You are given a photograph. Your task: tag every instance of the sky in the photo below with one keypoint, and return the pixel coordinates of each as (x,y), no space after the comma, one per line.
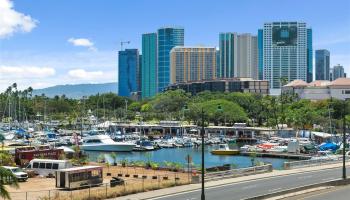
(45,43)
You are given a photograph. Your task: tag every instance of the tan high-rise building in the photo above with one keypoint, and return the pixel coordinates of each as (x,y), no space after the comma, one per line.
(192,64)
(247,56)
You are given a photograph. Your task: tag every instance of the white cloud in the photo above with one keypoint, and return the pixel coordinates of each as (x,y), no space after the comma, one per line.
(12,21)
(82,42)
(85,75)
(25,72)
(25,76)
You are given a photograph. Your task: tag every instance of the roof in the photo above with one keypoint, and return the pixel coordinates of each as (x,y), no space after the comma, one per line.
(48,160)
(341,82)
(79,168)
(296,83)
(9,167)
(319,83)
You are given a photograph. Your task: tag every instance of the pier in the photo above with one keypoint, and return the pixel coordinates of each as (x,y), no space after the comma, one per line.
(277,155)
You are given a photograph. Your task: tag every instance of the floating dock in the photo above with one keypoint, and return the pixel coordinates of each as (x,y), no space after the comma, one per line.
(278,155)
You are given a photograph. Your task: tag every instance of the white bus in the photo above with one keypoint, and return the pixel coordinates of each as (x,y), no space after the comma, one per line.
(77,177)
(44,167)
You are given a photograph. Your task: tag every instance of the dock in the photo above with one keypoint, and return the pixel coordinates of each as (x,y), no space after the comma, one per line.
(278,155)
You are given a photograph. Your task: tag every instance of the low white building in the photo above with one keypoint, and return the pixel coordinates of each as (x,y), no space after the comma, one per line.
(320,89)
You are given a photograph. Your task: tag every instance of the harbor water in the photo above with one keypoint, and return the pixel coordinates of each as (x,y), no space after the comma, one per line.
(178,155)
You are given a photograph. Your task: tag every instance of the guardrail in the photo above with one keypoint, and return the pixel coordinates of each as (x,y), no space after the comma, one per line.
(311,163)
(238,172)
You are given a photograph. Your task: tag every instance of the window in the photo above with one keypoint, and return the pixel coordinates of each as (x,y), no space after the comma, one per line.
(35,165)
(55,166)
(42,165)
(48,165)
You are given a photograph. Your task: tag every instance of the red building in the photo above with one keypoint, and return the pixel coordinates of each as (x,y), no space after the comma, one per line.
(25,154)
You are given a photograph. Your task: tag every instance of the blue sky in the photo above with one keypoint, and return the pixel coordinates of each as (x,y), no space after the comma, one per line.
(76,41)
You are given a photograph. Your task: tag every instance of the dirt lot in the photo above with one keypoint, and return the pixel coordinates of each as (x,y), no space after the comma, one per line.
(39,185)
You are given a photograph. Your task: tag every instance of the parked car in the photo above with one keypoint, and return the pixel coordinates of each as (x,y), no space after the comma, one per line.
(18,172)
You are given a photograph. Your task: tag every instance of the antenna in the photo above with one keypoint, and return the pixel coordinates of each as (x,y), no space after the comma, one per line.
(122,43)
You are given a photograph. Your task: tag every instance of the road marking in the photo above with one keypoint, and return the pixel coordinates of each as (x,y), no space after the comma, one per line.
(305,177)
(272,190)
(249,187)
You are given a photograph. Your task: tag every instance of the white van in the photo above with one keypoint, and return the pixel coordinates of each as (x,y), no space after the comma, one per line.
(44,167)
(18,172)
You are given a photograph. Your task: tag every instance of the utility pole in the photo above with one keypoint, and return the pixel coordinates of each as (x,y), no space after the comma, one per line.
(344,140)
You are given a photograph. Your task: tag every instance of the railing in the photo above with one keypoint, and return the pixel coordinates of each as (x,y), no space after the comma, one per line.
(238,172)
(311,163)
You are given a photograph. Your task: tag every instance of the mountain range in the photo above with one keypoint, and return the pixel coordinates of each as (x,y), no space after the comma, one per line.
(78,91)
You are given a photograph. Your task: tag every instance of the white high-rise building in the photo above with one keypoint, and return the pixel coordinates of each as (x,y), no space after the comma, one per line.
(286,52)
(238,55)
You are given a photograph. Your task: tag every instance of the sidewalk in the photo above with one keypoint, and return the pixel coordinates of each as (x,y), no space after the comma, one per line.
(191,187)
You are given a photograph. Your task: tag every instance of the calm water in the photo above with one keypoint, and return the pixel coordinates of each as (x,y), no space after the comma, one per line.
(179,155)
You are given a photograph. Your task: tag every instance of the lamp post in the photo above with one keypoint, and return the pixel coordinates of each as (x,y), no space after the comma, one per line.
(344,139)
(202,137)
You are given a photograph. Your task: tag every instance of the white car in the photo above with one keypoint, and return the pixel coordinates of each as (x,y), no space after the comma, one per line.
(18,172)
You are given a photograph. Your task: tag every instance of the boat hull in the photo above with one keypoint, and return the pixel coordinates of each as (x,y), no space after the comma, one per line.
(225,152)
(109,147)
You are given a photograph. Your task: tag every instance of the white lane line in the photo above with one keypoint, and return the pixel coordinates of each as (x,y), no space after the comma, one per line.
(305,177)
(249,187)
(272,190)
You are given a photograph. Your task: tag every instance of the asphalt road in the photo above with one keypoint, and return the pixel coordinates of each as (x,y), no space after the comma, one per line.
(339,193)
(253,188)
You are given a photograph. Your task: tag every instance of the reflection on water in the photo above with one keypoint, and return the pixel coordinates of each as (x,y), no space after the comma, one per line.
(179,155)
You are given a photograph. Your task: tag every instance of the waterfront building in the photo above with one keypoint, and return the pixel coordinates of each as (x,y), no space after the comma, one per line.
(246,85)
(286,52)
(167,38)
(192,64)
(128,68)
(319,89)
(338,72)
(149,65)
(238,55)
(322,59)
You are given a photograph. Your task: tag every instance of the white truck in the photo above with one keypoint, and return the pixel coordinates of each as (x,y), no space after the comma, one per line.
(18,172)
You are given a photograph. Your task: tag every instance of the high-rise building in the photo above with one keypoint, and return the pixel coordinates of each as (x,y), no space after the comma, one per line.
(128,68)
(149,65)
(338,72)
(309,56)
(322,59)
(260,53)
(192,64)
(238,55)
(247,56)
(168,37)
(286,47)
(228,54)
(217,63)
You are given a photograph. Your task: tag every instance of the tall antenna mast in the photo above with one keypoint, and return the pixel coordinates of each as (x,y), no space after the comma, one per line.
(122,43)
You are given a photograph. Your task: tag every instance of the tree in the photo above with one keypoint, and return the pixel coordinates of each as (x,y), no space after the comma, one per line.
(6,178)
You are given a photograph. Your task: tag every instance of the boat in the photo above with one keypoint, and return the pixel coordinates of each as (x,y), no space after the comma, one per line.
(105,143)
(224,150)
(144,145)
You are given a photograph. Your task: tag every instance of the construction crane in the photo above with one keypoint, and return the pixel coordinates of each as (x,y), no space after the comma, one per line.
(122,43)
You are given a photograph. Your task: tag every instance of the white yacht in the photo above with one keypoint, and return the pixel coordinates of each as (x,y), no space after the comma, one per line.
(105,143)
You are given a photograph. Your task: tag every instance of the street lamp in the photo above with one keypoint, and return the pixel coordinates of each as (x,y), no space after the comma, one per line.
(219,108)
(344,140)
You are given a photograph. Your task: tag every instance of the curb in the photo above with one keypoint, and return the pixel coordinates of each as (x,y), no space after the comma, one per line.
(336,182)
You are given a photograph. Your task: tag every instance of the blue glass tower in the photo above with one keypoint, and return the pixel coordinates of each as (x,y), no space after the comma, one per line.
(128,69)
(322,65)
(168,38)
(260,53)
(149,65)
(309,55)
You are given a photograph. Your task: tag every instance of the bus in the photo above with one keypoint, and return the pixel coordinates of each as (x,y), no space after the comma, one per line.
(45,167)
(76,177)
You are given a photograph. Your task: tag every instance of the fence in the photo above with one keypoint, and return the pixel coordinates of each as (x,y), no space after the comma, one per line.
(311,163)
(103,191)
(238,172)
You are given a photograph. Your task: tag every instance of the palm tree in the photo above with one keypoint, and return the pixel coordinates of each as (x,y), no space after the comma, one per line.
(6,178)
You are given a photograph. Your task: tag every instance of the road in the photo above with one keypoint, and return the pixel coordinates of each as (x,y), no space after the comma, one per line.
(253,188)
